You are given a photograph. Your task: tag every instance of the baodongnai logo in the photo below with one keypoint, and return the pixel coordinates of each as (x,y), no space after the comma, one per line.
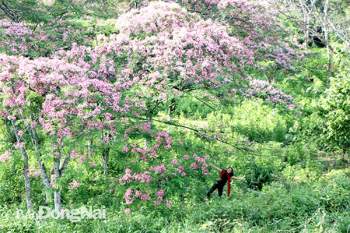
(73,215)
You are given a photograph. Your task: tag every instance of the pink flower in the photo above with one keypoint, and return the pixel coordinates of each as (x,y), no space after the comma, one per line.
(146,127)
(145,197)
(127,177)
(160,169)
(74,154)
(138,193)
(160,194)
(194,166)
(186,157)
(162,135)
(200,159)
(174,162)
(82,159)
(106,139)
(142,177)
(181,171)
(128,196)
(65,132)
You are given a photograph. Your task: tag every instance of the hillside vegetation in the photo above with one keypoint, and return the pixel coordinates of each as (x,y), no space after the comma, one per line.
(128,107)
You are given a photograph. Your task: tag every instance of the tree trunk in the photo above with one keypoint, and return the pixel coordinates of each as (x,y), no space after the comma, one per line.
(57,175)
(105,157)
(43,172)
(46,182)
(326,38)
(57,200)
(25,168)
(27,179)
(9,12)
(306,26)
(89,147)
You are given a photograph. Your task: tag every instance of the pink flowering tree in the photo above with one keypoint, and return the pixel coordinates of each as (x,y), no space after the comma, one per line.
(13,97)
(151,173)
(257,23)
(59,99)
(161,52)
(105,92)
(191,52)
(33,40)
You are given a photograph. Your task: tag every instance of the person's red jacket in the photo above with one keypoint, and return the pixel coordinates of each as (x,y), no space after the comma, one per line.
(226,177)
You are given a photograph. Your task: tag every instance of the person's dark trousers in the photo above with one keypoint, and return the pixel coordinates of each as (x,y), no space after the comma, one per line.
(219,186)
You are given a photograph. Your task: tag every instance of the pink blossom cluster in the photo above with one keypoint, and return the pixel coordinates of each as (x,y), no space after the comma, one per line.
(160,169)
(197,163)
(174,162)
(18,38)
(130,195)
(129,176)
(143,177)
(263,89)
(161,138)
(67,91)
(14,29)
(84,90)
(146,127)
(160,194)
(193,50)
(163,135)
(13,89)
(181,170)
(255,22)
(79,157)
(200,163)
(142,196)
(154,18)
(143,127)
(159,197)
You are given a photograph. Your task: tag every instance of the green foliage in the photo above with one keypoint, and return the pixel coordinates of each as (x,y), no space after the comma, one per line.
(320,205)
(196,107)
(36,12)
(335,111)
(11,183)
(256,121)
(284,187)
